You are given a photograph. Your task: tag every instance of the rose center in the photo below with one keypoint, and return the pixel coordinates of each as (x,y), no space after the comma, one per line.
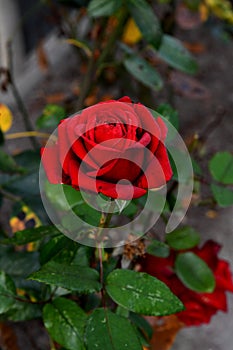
(109,131)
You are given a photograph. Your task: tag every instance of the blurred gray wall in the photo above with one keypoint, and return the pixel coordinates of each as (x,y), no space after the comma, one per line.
(24,23)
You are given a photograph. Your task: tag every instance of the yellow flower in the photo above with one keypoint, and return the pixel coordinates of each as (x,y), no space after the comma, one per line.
(5,118)
(131,34)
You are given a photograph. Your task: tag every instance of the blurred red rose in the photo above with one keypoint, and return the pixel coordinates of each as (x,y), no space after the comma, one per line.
(199,307)
(114,147)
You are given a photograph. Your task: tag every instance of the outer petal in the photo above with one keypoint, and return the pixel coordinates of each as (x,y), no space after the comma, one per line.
(223,276)
(209,253)
(163,128)
(216,300)
(162,156)
(50,161)
(157,172)
(195,314)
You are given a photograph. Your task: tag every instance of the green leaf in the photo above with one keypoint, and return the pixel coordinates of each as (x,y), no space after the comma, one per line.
(143,71)
(98,8)
(53,248)
(183,238)
(142,293)
(196,167)
(53,193)
(88,214)
(76,278)
(18,264)
(65,321)
(8,164)
(83,255)
(108,266)
(29,160)
(24,186)
(130,210)
(108,331)
(146,20)
(142,324)
(121,311)
(193,4)
(176,55)
(222,195)
(67,254)
(22,311)
(169,113)
(31,235)
(221,167)
(7,292)
(27,186)
(194,273)
(51,116)
(158,248)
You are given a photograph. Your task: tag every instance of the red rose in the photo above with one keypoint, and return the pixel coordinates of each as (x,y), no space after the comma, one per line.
(115,147)
(199,307)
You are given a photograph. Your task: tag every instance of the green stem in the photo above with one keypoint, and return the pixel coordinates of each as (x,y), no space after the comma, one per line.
(101,268)
(100,254)
(104,223)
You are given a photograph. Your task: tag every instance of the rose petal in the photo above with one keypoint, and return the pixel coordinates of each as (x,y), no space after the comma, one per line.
(50,161)
(208,253)
(120,191)
(195,314)
(149,124)
(119,111)
(223,276)
(163,128)
(126,99)
(153,177)
(216,300)
(162,156)
(74,139)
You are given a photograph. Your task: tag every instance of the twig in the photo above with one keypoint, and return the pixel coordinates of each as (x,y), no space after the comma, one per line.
(26,119)
(113,37)
(9,195)
(18,135)
(94,64)
(86,84)
(212,125)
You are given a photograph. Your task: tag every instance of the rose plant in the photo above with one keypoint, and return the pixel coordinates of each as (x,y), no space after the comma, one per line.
(115,153)
(107,289)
